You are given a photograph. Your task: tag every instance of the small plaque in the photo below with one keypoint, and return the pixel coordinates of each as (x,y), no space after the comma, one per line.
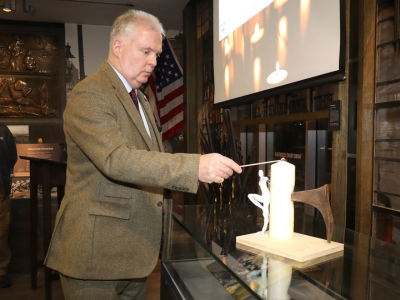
(335,111)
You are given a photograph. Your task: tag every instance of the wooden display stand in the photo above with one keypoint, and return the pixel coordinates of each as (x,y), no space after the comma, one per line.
(300,248)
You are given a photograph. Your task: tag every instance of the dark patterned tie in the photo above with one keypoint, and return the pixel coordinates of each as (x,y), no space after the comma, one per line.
(135,101)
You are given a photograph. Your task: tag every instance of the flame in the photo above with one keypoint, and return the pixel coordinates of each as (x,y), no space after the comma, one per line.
(227,82)
(228,44)
(282,38)
(283,28)
(304,12)
(257,74)
(252,285)
(224,259)
(257,35)
(279,3)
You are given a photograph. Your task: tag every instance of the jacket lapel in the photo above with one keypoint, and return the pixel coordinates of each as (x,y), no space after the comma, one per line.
(151,121)
(126,101)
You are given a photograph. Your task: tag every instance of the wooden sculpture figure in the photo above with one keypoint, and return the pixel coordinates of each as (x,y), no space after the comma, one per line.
(263,198)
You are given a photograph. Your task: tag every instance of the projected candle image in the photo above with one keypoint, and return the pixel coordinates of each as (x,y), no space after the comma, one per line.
(257,74)
(227,82)
(272,43)
(304,12)
(282,38)
(279,3)
(278,76)
(227,47)
(257,35)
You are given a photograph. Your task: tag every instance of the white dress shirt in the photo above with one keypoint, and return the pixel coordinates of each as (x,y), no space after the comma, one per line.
(129,89)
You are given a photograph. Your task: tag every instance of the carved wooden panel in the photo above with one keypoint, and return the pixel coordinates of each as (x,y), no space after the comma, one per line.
(29,97)
(29,54)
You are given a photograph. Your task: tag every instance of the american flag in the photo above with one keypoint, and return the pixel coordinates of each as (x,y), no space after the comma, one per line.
(165,92)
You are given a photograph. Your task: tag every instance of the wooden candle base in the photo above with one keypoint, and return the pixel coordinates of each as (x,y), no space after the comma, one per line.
(301,247)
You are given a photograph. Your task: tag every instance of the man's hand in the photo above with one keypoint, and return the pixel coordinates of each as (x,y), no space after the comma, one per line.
(215,168)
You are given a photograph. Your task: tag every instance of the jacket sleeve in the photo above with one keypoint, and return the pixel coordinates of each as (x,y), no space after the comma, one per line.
(91,122)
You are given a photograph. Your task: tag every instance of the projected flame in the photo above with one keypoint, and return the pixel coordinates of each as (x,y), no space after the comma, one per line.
(279,3)
(257,35)
(257,74)
(227,82)
(304,12)
(228,44)
(278,76)
(282,38)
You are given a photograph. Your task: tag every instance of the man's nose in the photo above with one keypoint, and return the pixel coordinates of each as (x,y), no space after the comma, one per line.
(153,60)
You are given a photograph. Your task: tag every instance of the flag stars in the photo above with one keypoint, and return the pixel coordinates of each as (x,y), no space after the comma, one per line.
(176,74)
(167,56)
(169,72)
(165,63)
(167,79)
(172,65)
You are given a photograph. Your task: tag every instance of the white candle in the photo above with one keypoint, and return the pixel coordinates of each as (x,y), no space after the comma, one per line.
(279,278)
(281,206)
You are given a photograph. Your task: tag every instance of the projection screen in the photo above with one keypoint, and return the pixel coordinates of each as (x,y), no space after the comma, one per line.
(264,48)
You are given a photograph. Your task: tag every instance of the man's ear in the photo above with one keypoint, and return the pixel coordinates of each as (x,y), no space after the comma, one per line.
(117,47)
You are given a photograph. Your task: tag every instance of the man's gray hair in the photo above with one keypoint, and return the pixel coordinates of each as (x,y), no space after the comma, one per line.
(125,25)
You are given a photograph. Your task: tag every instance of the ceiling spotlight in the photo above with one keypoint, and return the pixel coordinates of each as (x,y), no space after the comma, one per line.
(29,8)
(9,6)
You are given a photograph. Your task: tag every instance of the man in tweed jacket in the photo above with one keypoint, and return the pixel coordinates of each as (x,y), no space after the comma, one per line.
(107,233)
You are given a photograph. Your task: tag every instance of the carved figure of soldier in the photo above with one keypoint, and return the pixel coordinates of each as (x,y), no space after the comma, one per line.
(14,47)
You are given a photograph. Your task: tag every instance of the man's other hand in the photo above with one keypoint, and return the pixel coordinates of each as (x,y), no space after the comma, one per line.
(215,168)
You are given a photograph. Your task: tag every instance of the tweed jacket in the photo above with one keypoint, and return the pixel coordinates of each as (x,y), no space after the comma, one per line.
(108,226)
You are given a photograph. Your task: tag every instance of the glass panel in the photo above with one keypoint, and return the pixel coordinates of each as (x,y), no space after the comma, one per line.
(290,142)
(387,174)
(388,63)
(192,269)
(387,123)
(386,227)
(387,200)
(387,149)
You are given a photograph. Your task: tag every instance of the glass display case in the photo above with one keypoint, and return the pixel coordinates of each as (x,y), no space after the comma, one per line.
(201,260)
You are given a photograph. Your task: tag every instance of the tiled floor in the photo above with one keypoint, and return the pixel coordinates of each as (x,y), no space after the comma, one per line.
(21,289)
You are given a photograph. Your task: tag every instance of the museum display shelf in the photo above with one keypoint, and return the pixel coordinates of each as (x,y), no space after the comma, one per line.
(202,260)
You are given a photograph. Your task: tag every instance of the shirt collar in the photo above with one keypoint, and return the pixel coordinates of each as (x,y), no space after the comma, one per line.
(126,84)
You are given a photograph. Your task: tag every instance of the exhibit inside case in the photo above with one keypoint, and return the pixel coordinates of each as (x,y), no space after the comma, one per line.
(202,260)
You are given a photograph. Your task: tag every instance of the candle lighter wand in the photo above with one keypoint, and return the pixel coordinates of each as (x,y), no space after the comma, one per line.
(261,163)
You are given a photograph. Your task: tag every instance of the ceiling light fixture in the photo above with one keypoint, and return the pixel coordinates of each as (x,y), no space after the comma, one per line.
(9,6)
(29,8)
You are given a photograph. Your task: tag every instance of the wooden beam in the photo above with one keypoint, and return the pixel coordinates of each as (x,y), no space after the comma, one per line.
(365,116)
(340,142)
(191,86)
